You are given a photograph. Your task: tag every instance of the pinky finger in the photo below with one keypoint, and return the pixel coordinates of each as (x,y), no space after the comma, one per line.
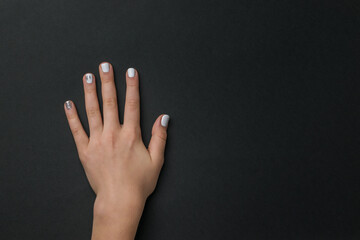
(77,130)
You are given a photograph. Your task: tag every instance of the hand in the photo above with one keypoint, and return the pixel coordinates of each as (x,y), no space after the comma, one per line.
(120,170)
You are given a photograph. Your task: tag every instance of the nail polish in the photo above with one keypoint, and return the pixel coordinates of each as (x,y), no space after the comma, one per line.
(68,105)
(131,72)
(105,67)
(165,120)
(89,78)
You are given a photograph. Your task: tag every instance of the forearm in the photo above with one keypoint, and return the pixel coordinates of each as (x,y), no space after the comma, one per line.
(116,218)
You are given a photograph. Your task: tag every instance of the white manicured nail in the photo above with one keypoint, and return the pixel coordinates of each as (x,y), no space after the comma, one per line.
(131,72)
(105,67)
(165,120)
(68,105)
(89,78)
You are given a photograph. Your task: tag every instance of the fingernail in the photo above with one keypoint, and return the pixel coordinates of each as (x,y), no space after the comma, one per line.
(89,78)
(165,120)
(68,105)
(105,67)
(131,72)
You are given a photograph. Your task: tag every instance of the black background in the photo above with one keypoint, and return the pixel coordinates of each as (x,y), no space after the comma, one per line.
(264,102)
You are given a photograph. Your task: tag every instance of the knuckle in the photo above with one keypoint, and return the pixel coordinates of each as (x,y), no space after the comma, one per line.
(110,139)
(86,155)
(72,117)
(76,131)
(83,155)
(132,83)
(92,111)
(132,135)
(161,135)
(95,141)
(132,103)
(107,80)
(90,89)
(110,102)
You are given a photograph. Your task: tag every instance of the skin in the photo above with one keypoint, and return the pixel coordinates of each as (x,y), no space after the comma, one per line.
(120,169)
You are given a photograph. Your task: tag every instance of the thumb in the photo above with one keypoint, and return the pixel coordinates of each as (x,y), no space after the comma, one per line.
(158,139)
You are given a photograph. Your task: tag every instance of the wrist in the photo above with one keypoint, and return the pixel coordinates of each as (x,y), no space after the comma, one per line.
(110,204)
(118,214)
